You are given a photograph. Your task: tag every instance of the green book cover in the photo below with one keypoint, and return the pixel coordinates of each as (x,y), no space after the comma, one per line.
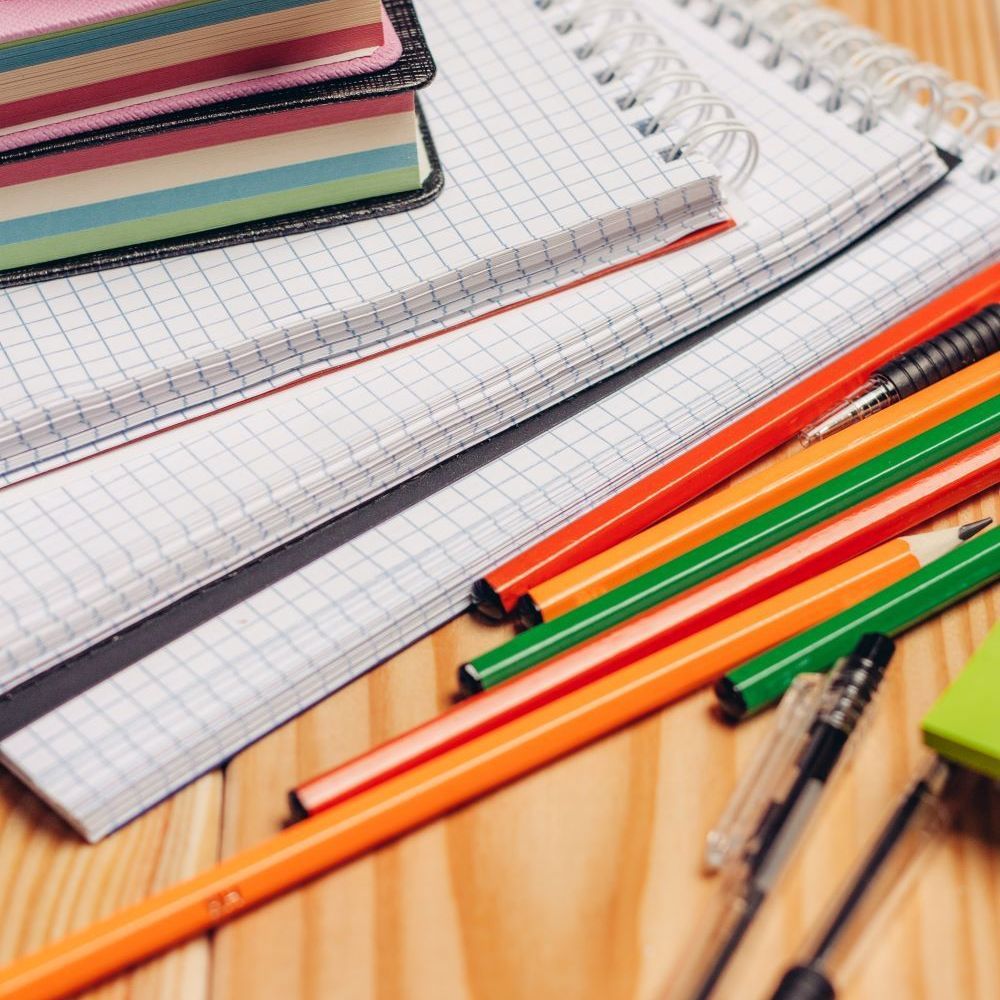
(964,724)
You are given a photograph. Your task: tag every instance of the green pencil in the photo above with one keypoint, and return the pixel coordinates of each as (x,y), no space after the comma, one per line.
(937,586)
(734,547)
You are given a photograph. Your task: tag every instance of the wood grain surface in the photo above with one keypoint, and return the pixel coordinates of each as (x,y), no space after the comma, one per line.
(581,881)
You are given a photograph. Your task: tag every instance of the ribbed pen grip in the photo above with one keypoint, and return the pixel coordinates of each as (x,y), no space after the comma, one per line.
(857,679)
(945,354)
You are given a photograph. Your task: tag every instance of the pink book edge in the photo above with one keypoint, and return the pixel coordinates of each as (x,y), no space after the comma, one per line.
(383,57)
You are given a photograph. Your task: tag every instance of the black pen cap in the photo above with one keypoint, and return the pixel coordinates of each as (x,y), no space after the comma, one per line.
(804,983)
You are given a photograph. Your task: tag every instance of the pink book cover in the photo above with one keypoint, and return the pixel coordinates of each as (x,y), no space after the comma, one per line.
(31,17)
(27,18)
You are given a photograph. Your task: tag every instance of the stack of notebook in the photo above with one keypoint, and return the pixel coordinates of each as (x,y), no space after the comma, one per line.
(597,193)
(251,119)
(194,504)
(547,183)
(531,278)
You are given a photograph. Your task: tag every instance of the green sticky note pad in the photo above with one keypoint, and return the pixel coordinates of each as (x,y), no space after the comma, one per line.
(964,724)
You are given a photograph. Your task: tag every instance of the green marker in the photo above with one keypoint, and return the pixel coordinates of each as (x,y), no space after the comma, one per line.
(964,724)
(764,679)
(734,547)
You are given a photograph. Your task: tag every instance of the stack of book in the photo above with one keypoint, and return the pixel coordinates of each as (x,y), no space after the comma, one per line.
(144,128)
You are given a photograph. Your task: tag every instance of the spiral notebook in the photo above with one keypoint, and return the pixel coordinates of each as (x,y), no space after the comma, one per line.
(546,181)
(202,500)
(402,577)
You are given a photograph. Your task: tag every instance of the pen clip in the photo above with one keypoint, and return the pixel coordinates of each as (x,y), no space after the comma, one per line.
(757,787)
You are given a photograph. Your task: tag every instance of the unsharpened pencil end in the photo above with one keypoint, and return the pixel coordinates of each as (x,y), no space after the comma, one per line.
(487,601)
(469,680)
(296,810)
(968,531)
(731,701)
(527,612)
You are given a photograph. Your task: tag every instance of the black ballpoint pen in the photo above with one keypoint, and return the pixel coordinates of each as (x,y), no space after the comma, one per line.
(919,813)
(772,805)
(947,353)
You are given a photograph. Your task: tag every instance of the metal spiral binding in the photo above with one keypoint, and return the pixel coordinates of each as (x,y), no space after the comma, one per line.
(858,69)
(854,69)
(680,104)
(988,124)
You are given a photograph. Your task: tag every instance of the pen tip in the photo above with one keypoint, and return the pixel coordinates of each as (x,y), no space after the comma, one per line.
(968,531)
(803,982)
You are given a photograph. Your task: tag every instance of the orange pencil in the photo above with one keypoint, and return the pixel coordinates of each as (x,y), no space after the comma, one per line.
(760,492)
(409,800)
(831,543)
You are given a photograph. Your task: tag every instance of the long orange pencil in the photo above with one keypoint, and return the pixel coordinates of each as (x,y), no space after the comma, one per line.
(407,801)
(760,492)
(726,452)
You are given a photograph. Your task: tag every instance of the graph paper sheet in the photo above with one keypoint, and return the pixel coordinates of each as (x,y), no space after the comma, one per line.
(93,551)
(543,175)
(107,755)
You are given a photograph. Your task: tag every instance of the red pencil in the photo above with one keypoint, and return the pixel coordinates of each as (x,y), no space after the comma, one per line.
(725,453)
(828,545)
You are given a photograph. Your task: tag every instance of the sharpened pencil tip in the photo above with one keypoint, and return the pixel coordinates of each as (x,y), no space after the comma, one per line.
(968,531)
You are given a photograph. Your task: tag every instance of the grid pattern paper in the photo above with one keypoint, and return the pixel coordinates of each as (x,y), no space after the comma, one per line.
(798,179)
(541,175)
(312,347)
(107,755)
(95,551)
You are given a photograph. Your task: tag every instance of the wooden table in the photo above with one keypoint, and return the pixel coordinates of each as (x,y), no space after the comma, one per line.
(581,881)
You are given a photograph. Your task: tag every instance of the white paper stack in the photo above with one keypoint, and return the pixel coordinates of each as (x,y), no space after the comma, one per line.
(105,756)
(549,179)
